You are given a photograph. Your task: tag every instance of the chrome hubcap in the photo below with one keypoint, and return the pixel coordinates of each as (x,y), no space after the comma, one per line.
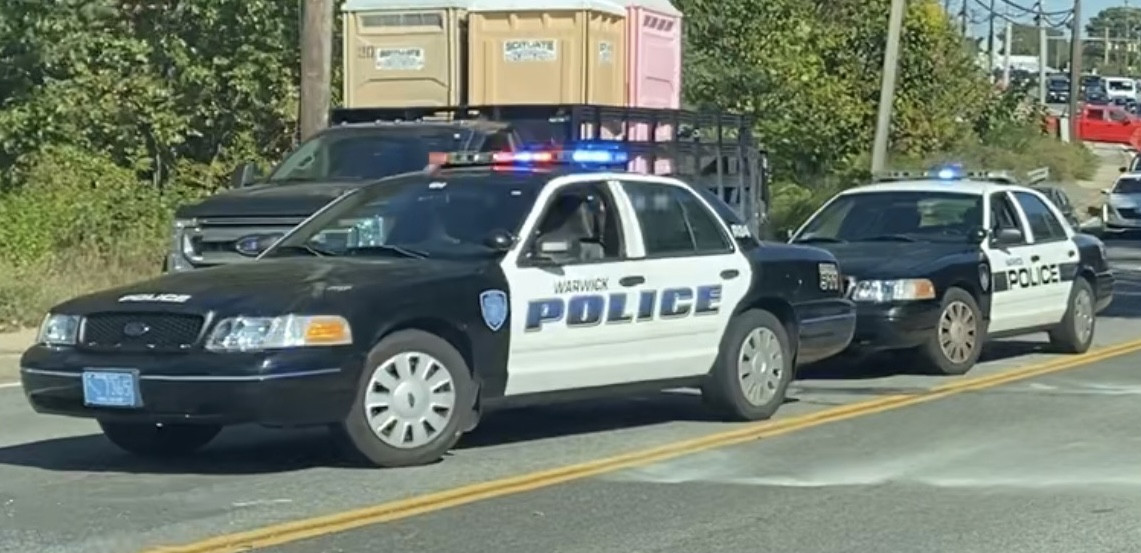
(958,332)
(760,366)
(410,400)
(1083,316)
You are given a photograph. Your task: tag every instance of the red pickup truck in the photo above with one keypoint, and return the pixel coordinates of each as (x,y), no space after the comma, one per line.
(1109,123)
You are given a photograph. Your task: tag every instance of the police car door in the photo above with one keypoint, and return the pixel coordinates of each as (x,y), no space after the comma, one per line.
(574,322)
(691,265)
(1053,259)
(1011,303)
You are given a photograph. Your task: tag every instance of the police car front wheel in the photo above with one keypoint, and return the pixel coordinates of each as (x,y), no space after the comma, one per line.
(957,340)
(753,367)
(413,400)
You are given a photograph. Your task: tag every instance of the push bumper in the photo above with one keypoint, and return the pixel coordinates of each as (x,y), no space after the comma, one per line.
(898,326)
(285,388)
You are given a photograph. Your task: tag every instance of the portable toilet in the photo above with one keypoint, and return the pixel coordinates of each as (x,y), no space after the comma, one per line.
(400,53)
(653,68)
(547,52)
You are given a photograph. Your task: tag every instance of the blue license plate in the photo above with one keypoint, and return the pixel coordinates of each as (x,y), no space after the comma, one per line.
(111,388)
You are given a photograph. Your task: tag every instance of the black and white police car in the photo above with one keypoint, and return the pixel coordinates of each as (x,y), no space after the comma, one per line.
(938,262)
(401,311)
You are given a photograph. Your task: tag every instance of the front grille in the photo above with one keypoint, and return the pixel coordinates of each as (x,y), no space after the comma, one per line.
(1128,213)
(141,331)
(215,241)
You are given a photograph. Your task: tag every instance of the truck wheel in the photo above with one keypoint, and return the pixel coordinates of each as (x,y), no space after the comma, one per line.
(1075,333)
(153,440)
(753,368)
(954,346)
(412,403)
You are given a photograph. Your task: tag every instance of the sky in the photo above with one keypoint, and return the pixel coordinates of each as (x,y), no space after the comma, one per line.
(1089,9)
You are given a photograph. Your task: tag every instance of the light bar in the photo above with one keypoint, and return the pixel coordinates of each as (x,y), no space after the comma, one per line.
(582,156)
(954,173)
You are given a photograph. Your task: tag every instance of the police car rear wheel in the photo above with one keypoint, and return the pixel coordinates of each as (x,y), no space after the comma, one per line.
(753,368)
(155,440)
(413,400)
(957,340)
(1075,333)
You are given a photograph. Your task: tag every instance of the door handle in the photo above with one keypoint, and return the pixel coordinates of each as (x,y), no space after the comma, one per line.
(632,280)
(730,273)
(1034,258)
(1070,253)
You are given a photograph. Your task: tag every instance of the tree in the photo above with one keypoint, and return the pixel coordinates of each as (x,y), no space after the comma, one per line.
(1123,27)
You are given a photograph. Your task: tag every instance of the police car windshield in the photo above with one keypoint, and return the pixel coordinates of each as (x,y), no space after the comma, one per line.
(367,153)
(902,216)
(1127,186)
(418,216)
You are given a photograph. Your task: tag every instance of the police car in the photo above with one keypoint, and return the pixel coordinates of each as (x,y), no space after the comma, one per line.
(405,309)
(940,262)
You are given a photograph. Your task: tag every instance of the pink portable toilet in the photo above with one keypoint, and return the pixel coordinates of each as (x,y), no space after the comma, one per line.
(653,67)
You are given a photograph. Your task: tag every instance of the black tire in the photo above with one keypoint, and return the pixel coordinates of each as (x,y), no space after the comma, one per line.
(159,441)
(1067,337)
(931,355)
(355,433)
(725,390)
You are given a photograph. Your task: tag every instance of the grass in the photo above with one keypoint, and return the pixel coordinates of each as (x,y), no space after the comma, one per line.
(27,292)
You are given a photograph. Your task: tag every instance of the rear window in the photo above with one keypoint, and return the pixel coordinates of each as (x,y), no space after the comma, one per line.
(368,154)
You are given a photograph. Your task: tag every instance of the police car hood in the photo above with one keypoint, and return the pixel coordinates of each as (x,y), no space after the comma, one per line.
(870,260)
(266,288)
(297,199)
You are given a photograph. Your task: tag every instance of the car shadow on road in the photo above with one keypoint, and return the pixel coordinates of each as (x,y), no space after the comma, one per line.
(889,364)
(255,450)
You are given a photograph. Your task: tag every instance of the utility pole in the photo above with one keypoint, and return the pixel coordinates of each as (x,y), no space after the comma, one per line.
(1007,40)
(1105,55)
(316,65)
(1075,70)
(1043,51)
(963,19)
(887,86)
(990,43)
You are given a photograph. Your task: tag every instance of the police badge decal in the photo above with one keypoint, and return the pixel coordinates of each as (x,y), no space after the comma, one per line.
(493,307)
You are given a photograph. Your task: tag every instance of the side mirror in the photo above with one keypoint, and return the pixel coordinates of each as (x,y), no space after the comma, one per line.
(1105,192)
(548,248)
(244,175)
(500,240)
(1121,169)
(1008,236)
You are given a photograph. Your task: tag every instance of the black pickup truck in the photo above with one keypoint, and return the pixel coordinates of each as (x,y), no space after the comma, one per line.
(712,149)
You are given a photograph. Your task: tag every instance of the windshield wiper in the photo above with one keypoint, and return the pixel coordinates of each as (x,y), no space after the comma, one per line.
(310,249)
(889,238)
(827,239)
(389,248)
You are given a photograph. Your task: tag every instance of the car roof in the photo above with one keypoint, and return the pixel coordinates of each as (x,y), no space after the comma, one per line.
(965,186)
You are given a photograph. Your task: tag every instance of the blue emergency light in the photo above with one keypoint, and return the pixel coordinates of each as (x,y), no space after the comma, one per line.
(578,156)
(949,172)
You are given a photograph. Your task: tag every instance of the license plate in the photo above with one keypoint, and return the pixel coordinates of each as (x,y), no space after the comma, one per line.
(111,388)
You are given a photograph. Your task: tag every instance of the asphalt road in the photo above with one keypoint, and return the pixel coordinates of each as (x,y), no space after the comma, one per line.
(63,488)
(1045,466)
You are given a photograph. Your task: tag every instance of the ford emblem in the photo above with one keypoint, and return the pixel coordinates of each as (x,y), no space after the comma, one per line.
(250,245)
(136,329)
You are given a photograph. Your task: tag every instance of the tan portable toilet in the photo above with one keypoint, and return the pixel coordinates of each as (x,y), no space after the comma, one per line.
(547,52)
(400,53)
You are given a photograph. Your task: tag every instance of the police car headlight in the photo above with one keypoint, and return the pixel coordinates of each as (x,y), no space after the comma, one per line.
(289,331)
(59,330)
(893,290)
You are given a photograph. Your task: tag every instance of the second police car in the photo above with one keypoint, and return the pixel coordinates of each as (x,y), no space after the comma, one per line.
(401,311)
(940,262)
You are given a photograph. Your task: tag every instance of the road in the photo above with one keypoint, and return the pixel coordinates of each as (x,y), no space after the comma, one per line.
(1000,467)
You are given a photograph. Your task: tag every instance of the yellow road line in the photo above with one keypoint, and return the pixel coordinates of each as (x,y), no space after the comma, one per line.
(278,534)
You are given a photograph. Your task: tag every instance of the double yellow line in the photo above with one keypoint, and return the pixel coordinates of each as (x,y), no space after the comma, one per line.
(395,510)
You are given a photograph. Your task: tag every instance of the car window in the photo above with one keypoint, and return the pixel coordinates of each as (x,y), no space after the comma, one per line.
(674,221)
(582,214)
(1043,223)
(367,154)
(1118,115)
(1003,216)
(428,216)
(1127,185)
(1120,85)
(896,215)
